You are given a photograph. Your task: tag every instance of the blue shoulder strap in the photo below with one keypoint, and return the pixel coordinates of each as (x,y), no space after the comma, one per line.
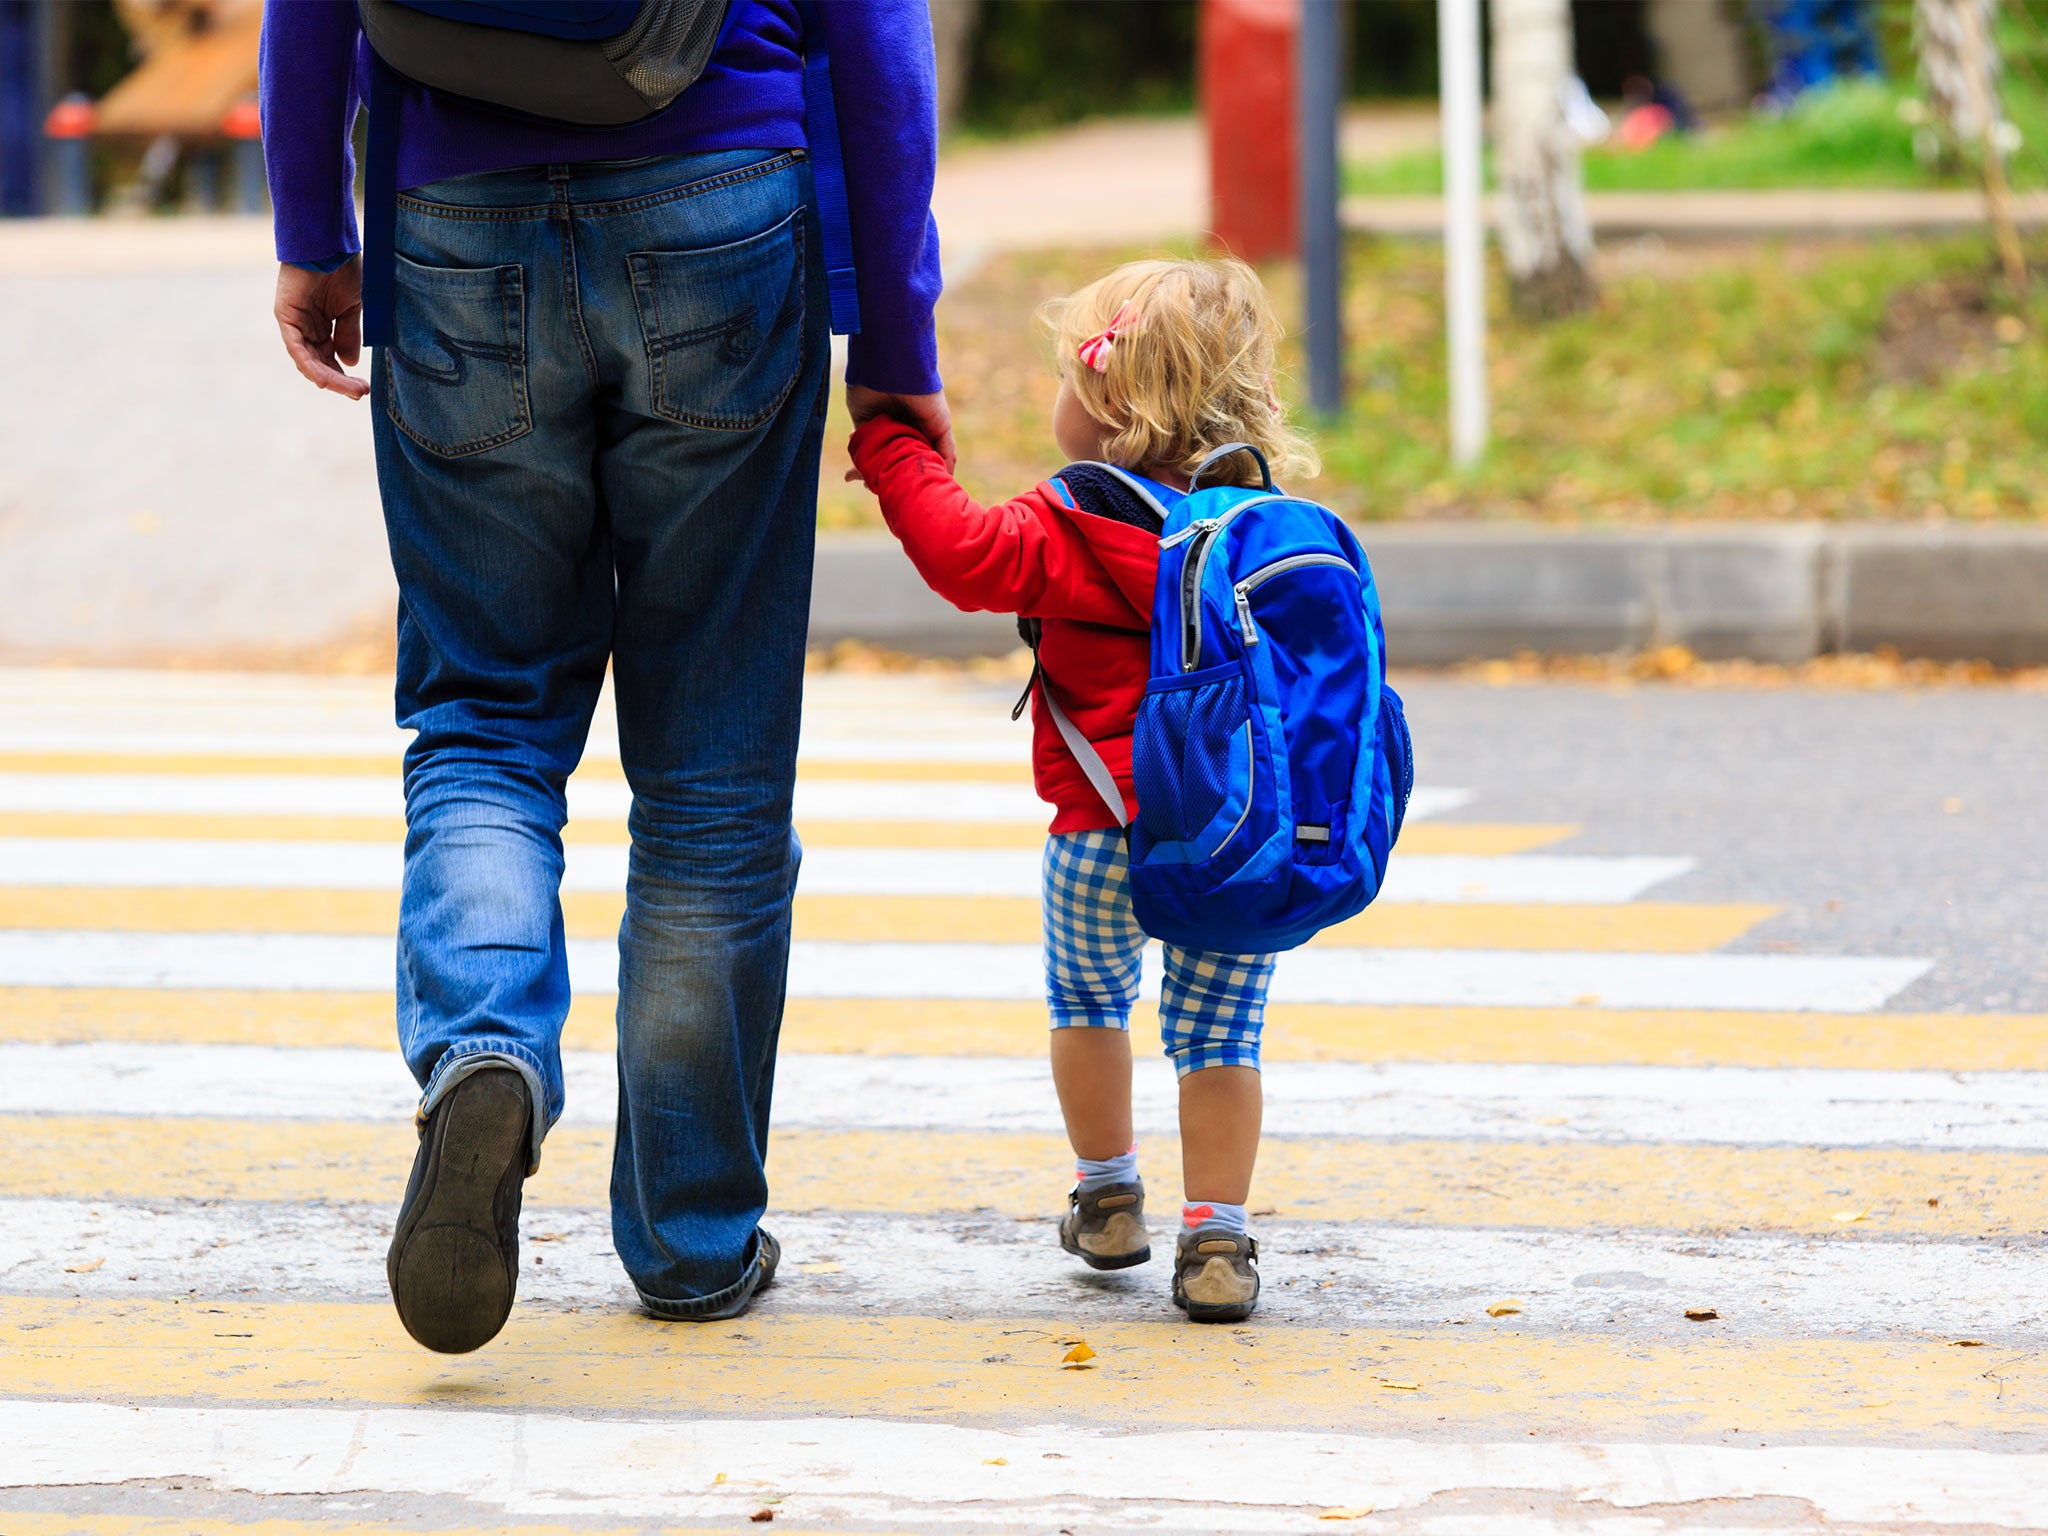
(380,207)
(828,172)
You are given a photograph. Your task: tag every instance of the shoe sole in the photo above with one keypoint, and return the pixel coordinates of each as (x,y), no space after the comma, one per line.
(1126,1260)
(1108,1260)
(449,1278)
(1212,1311)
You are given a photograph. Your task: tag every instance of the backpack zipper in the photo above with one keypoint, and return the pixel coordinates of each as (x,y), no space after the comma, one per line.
(1266,573)
(1205,532)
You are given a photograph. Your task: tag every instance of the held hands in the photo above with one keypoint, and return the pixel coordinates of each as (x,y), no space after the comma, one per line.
(320,316)
(927,414)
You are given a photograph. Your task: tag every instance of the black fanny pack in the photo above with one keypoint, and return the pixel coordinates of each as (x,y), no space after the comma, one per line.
(590,63)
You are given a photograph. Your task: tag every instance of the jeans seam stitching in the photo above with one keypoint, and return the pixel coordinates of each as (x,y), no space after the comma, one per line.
(607,209)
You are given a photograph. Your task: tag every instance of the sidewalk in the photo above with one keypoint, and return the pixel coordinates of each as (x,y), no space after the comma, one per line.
(170,491)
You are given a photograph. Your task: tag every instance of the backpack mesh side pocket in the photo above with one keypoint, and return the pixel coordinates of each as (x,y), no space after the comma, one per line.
(1181,754)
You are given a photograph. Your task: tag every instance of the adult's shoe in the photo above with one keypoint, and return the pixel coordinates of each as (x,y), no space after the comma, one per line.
(454,1260)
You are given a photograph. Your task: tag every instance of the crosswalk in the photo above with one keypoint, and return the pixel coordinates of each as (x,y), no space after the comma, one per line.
(1574,1218)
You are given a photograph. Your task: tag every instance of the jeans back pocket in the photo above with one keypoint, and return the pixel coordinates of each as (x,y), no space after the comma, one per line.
(723,327)
(458,358)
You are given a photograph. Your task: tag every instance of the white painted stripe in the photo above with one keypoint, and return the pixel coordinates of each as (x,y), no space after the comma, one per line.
(1731,1105)
(589,798)
(244,863)
(840,1470)
(1315,1273)
(1490,978)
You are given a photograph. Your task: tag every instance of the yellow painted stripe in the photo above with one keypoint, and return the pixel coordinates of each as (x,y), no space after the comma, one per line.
(366,764)
(1943,1042)
(372,766)
(1471,839)
(1425,1183)
(1635,927)
(984,1368)
(240,829)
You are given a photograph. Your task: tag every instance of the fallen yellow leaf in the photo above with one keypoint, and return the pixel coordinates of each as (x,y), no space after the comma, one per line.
(1503,1308)
(85,1268)
(1346,1512)
(995,1461)
(1398,1386)
(1079,1355)
(1852,1215)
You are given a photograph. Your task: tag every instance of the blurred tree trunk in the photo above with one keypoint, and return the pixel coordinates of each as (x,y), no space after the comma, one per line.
(1959,66)
(1545,239)
(953,41)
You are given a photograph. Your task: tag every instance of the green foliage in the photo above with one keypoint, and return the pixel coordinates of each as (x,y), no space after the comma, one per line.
(1857,134)
(1887,380)
(1038,63)
(1867,381)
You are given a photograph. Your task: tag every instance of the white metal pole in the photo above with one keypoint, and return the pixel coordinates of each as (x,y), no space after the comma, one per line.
(1464,227)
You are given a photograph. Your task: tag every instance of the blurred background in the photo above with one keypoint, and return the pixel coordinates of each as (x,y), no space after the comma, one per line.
(1760,265)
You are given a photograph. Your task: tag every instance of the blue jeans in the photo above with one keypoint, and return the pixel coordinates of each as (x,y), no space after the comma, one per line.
(597,441)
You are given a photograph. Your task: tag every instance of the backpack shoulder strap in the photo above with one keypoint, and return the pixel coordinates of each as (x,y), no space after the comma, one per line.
(1099,776)
(828,173)
(1107,490)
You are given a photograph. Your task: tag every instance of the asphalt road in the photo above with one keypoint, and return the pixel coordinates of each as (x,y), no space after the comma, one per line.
(1894,822)
(1613,1184)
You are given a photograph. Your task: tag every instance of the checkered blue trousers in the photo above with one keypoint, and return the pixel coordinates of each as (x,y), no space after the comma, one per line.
(1211,1007)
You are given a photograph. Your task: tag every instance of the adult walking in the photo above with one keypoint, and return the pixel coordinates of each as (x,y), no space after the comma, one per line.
(597,427)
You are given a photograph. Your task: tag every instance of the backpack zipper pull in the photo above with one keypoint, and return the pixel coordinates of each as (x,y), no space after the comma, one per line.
(1199,526)
(1244,615)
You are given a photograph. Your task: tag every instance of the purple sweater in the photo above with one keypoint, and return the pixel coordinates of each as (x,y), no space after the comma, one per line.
(749,97)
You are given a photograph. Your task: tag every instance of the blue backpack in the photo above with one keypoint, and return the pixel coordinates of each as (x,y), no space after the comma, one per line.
(1271,761)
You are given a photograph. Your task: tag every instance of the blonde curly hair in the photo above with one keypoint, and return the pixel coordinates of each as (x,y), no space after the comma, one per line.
(1191,367)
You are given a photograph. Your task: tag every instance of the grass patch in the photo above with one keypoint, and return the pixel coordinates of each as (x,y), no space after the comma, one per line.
(1851,135)
(1853,381)
(1887,380)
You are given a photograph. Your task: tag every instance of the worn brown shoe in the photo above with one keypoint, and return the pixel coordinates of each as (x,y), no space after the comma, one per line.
(1105,1229)
(454,1260)
(1215,1274)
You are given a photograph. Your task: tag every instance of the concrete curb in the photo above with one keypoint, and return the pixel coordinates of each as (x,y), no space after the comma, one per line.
(1453,594)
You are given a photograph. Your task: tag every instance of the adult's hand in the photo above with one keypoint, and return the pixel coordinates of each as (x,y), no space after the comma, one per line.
(320,316)
(929,414)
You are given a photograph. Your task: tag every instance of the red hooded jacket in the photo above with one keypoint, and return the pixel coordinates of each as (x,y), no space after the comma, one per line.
(1089,579)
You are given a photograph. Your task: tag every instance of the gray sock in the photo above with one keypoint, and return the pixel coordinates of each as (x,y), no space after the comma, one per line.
(1213,1213)
(1094,1172)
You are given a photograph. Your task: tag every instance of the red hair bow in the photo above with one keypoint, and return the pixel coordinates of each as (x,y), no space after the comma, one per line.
(1094,352)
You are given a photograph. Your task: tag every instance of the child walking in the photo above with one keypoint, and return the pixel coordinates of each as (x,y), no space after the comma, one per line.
(1159,363)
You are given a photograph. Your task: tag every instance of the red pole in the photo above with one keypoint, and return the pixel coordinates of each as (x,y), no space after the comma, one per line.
(1247,87)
